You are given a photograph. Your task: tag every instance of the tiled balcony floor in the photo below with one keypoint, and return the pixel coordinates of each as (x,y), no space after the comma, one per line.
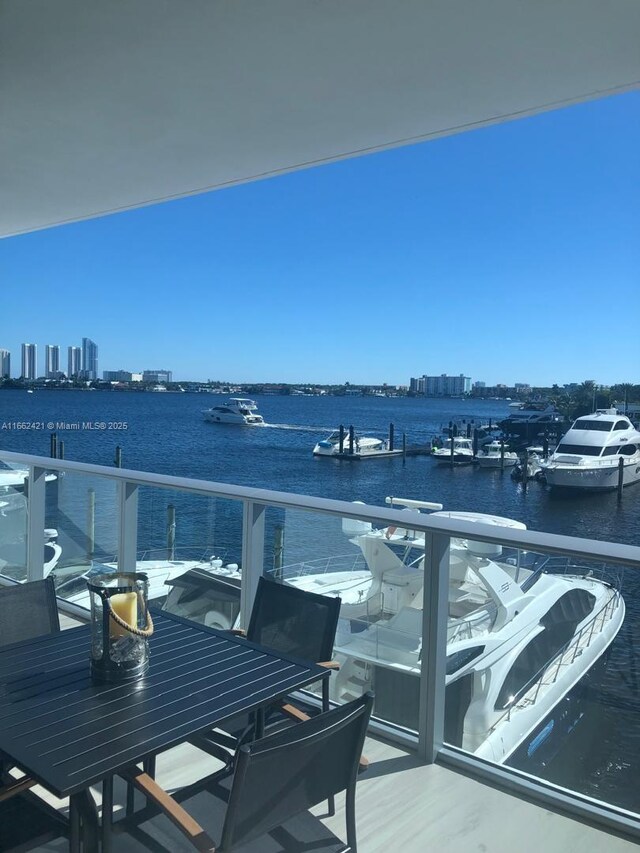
(408,807)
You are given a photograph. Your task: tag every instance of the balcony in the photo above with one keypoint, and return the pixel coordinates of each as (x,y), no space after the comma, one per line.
(462,758)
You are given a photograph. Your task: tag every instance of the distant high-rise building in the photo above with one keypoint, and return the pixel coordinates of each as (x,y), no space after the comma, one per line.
(51,361)
(5,364)
(74,361)
(441,386)
(29,361)
(89,359)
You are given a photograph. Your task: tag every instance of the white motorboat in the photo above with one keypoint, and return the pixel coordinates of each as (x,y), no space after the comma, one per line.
(590,454)
(492,455)
(330,446)
(530,466)
(462,453)
(519,638)
(71,581)
(236,410)
(14,479)
(531,419)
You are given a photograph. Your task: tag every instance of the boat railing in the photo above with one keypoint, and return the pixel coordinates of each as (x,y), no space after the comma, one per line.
(548,674)
(324,565)
(467,627)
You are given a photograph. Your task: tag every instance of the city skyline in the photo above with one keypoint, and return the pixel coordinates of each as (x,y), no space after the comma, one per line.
(497,250)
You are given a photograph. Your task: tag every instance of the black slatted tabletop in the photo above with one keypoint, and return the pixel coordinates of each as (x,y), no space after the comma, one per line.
(70,732)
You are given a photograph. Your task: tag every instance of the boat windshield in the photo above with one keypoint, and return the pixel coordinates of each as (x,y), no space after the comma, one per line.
(579,449)
(602,426)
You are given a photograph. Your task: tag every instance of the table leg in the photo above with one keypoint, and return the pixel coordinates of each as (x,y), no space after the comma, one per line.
(74,824)
(107,813)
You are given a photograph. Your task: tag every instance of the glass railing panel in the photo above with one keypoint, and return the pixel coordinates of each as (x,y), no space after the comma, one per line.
(190,547)
(541,675)
(81,522)
(13,521)
(378,574)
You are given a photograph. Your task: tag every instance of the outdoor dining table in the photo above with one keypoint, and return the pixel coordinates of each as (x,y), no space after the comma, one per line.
(70,732)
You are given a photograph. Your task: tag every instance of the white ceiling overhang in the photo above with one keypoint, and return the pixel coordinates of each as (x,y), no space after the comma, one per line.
(111,104)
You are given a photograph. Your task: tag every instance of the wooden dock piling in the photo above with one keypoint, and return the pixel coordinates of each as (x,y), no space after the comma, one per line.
(620,477)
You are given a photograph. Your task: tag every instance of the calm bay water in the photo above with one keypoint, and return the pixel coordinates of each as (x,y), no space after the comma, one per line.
(166,434)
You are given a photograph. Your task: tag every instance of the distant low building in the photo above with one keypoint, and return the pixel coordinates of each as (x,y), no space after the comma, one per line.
(116,376)
(157,376)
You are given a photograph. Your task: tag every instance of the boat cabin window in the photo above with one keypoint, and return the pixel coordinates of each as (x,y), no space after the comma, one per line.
(559,624)
(579,449)
(459,659)
(628,449)
(602,426)
(611,451)
(621,425)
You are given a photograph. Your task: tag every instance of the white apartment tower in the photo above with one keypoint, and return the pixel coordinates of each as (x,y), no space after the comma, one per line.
(51,361)
(5,364)
(74,361)
(29,361)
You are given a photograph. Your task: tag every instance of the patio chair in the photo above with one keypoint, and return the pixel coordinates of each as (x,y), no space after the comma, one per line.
(276,780)
(26,611)
(293,622)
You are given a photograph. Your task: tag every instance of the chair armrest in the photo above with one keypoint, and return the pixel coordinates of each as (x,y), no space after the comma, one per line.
(329,664)
(238,632)
(173,810)
(16,787)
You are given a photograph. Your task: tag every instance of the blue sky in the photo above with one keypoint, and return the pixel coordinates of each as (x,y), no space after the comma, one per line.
(509,254)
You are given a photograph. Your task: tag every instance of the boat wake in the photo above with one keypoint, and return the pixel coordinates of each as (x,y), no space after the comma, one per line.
(299,428)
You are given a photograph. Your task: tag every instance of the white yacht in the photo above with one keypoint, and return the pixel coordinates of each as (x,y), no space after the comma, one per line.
(519,638)
(491,456)
(588,455)
(531,419)
(462,451)
(236,410)
(14,479)
(330,446)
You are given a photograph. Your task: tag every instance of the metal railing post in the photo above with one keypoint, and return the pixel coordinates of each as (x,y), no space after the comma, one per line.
(127,526)
(35,522)
(434,646)
(253,518)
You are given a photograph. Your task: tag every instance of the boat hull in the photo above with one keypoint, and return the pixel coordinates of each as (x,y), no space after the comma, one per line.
(563,476)
(496,461)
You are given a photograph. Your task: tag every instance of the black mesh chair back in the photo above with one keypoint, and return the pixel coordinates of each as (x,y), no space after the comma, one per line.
(286,773)
(293,621)
(28,610)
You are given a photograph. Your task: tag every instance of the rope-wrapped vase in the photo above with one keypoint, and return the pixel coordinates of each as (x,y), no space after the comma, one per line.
(120,625)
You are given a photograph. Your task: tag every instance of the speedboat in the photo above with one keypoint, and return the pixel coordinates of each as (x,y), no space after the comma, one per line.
(330,446)
(530,466)
(493,456)
(236,410)
(462,453)
(521,632)
(589,454)
(531,419)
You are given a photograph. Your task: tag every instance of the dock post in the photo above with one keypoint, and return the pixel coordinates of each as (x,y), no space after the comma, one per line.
(351,439)
(171,532)
(53,441)
(620,477)
(452,450)
(61,450)
(278,551)
(502,454)
(391,436)
(118,460)
(469,429)
(91,524)
(545,445)
(475,441)
(404,448)
(341,440)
